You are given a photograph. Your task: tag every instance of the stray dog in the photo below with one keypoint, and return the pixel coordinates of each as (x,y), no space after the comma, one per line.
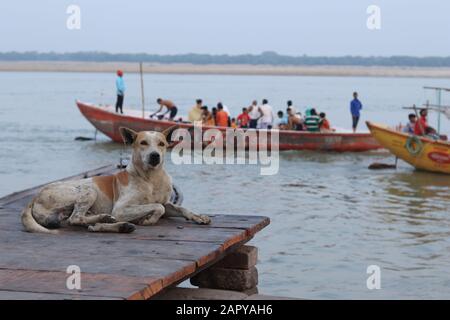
(138,195)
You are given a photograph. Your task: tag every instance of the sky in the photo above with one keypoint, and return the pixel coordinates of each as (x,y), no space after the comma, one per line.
(293,27)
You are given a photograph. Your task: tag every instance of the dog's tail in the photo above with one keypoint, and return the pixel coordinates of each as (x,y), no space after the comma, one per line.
(30,224)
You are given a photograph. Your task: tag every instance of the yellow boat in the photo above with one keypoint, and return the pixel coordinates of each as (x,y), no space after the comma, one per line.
(421,152)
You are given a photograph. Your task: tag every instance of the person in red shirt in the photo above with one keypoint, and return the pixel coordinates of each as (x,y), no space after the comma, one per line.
(324,124)
(421,127)
(221,117)
(243,119)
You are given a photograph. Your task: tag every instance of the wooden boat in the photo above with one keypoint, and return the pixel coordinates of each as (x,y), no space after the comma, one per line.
(104,119)
(421,152)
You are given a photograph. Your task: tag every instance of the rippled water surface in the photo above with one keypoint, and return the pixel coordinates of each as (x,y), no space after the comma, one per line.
(331,216)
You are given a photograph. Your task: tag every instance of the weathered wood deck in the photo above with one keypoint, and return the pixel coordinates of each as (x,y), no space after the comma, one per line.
(113,266)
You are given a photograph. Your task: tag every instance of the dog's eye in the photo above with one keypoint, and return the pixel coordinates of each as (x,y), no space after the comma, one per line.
(144,143)
(162,144)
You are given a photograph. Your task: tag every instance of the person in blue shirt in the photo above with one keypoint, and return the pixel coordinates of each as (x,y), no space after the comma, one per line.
(355,109)
(120,85)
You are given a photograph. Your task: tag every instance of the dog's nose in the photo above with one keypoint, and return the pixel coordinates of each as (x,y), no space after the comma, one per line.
(154,158)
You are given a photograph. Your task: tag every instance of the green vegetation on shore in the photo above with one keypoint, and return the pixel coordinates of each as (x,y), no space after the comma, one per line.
(265,58)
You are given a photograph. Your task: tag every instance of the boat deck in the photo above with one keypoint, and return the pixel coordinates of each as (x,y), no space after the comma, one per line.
(113,266)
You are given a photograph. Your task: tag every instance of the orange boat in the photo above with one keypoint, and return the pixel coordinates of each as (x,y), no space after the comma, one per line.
(105,120)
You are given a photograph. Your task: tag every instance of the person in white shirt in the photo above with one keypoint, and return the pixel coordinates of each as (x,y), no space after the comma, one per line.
(266,119)
(280,121)
(254,114)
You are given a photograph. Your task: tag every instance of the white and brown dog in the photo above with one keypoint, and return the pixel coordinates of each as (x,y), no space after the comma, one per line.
(138,195)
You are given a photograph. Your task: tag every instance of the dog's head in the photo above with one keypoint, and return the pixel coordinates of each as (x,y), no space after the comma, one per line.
(149,147)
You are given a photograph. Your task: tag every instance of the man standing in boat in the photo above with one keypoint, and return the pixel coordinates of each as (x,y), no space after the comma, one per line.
(266,118)
(120,85)
(254,114)
(355,109)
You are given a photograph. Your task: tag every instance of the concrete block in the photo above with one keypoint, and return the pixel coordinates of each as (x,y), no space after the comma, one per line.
(245,257)
(227,279)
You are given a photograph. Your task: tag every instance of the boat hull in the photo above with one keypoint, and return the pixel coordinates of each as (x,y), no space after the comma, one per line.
(433,157)
(109,122)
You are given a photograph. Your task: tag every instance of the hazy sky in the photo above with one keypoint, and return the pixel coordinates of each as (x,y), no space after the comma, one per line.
(295,27)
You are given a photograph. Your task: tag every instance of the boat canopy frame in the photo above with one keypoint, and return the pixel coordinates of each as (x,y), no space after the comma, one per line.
(441,109)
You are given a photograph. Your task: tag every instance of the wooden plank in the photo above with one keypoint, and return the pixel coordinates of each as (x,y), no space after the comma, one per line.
(23,295)
(251,223)
(168,271)
(165,272)
(154,257)
(168,260)
(101,285)
(226,228)
(211,245)
(124,265)
(170,230)
(106,244)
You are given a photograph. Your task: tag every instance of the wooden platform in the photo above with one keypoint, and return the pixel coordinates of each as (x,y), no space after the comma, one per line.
(113,266)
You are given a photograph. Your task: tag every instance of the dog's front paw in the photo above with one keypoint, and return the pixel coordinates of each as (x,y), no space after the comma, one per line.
(202,219)
(126,227)
(106,218)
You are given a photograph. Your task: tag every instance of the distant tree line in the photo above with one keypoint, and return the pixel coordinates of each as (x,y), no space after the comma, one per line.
(265,58)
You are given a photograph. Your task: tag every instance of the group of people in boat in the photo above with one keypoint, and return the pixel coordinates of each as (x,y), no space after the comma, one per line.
(255,116)
(420,127)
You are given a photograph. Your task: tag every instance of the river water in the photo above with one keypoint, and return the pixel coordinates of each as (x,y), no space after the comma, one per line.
(331,217)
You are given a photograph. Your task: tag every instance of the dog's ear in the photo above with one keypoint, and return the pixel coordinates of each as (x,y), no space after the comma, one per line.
(128,135)
(168,132)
